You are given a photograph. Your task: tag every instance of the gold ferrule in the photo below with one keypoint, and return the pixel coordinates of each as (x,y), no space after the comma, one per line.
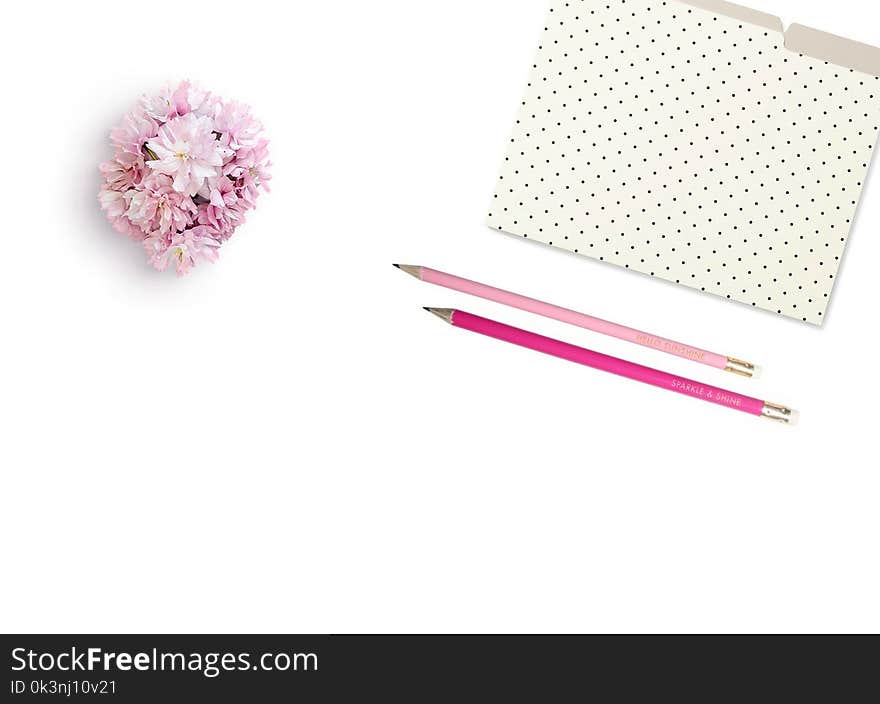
(781,414)
(738,366)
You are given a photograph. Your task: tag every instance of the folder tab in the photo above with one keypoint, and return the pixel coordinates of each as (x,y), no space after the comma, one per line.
(800,39)
(833,49)
(738,12)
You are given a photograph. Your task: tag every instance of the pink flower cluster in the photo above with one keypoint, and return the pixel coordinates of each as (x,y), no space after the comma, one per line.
(187,167)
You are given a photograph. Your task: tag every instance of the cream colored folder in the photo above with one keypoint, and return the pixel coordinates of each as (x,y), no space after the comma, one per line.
(696,142)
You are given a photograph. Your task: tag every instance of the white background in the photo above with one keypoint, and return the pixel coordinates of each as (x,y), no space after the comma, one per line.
(284,441)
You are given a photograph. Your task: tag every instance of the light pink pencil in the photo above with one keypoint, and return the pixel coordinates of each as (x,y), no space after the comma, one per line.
(614,365)
(605,327)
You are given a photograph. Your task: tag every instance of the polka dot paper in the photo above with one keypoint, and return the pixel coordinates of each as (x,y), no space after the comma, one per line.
(695,142)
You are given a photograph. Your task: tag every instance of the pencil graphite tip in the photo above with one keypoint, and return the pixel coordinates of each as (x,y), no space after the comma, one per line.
(411,270)
(442,313)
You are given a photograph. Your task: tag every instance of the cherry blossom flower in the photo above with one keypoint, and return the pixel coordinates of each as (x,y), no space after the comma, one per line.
(158,207)
(224,210)
(187,149)
(183,249)
(186,167)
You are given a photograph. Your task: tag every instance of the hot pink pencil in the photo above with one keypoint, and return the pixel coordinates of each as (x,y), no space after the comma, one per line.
(621,367)
(605,327)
